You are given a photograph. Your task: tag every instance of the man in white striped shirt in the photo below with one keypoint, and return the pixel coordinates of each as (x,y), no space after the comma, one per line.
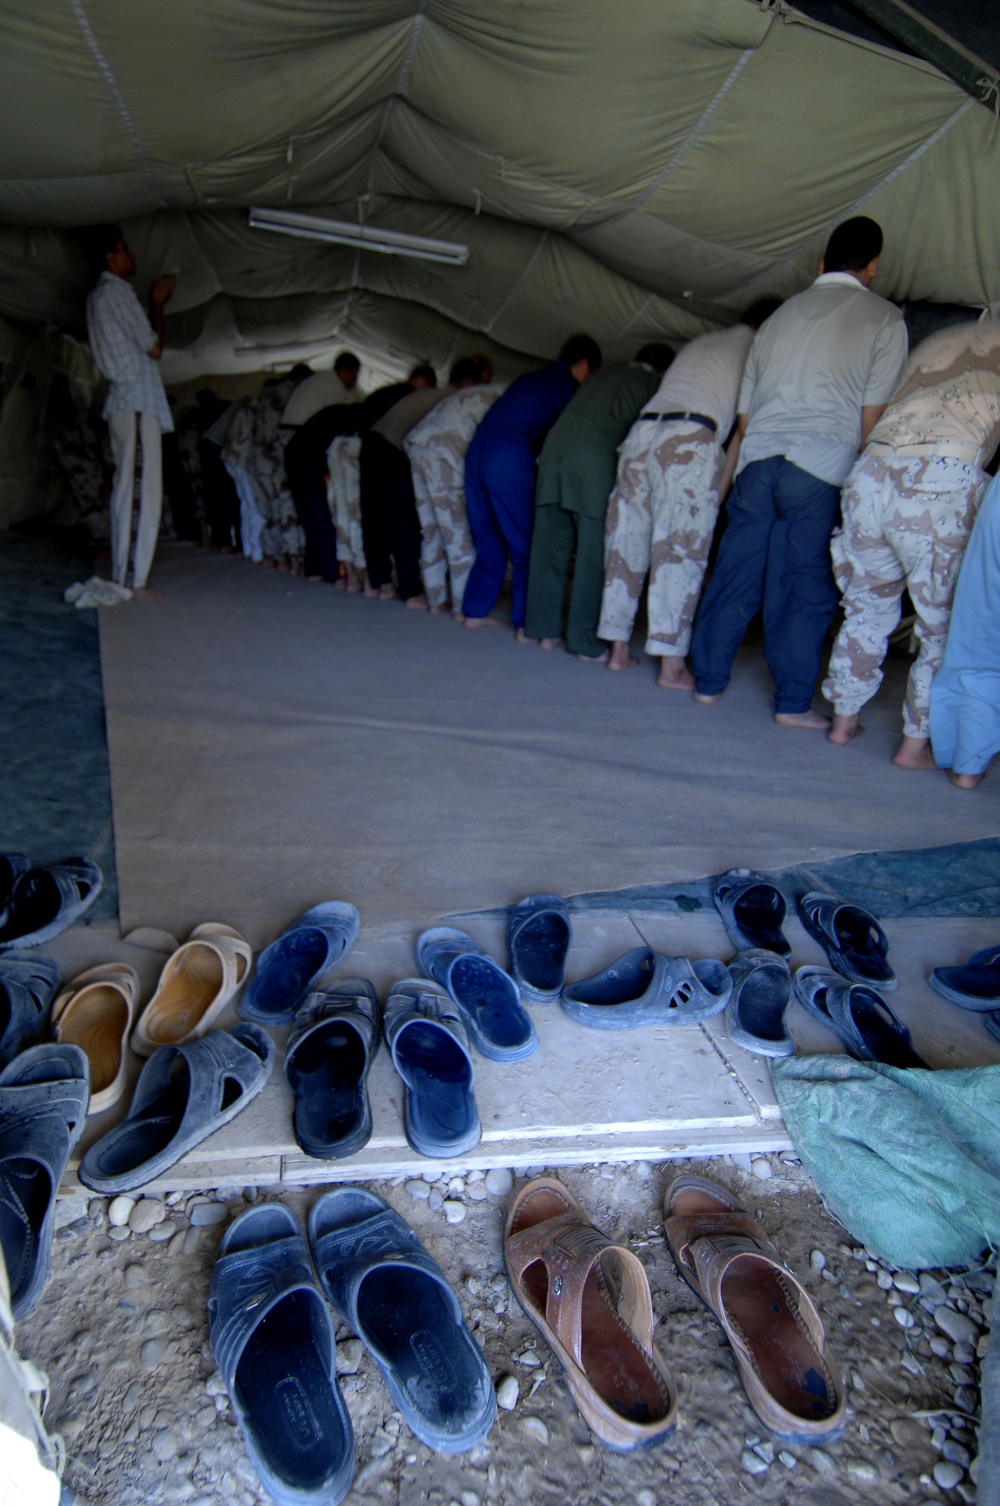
(126,346)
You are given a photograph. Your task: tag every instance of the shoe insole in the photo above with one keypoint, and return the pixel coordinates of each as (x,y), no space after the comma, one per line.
(290,1410)
(861,944)
(439,1077)
(878,1032)
(25,1193)
(36,901)
(617,985)
(289,972)
(789,1366)
(145,1136)
(759,914)
(404,1316)
(189,991)
(762,1003)
(491,1000)
(325,1076)
(542,944)
(96,1021)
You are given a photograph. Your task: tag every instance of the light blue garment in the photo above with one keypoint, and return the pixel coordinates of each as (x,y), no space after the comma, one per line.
(965,693)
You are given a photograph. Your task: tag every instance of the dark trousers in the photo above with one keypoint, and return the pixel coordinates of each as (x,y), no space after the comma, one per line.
(500,501)
(559,533)
(389,523)
(775,553)
(305,467)
(222,504)
(179,491)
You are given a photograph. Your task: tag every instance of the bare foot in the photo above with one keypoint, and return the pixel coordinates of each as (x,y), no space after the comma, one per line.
(674,674)
(964,781)
(620,658)
(143,593)
(458,616)
(485,622)
(417,603)
(844,730)
(370,591)
(806,721)
(387,592)
(914,753)
(315,580)
(340,585)
(437,609)
(707,700)
(550,643)
(284,567)
(267,563)
(522,637)
(226,549)
(352,580)
(595,658)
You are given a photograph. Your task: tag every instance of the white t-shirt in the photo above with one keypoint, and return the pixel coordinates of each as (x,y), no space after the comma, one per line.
(322,390)
(704,377)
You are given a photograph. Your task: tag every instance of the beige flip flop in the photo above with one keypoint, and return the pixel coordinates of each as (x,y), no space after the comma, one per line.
(95,1012)
(590,1300)
(197,982)
(766,1314)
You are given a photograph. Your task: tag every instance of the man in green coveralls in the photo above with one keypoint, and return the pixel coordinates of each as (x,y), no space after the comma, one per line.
(576,475)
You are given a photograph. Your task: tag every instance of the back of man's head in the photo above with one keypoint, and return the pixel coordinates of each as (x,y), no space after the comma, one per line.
(581,348)
(101,241)
(299,372)
(464,373)
(346,362)
(853,245)
(423,375)
(657,356)
(763,309)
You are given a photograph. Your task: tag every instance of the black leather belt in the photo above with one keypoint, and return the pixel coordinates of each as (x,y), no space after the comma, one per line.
(690,418)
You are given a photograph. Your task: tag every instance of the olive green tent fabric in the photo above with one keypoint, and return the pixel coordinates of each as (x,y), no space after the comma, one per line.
(640,170)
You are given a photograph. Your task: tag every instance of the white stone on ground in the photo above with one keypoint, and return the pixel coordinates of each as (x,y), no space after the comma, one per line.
(147,1213)
(119,1209)
(499,1182)
(508,1393)
(454,1211)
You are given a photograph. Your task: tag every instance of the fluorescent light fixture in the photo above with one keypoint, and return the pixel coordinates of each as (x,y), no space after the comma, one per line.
(312,227)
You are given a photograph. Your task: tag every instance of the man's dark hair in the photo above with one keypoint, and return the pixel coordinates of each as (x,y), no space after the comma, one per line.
(657,356)
(581,348)
(346,362)
(100,241)
(300,371)
(762,309)
(853,245)
(464,370)
(424,372)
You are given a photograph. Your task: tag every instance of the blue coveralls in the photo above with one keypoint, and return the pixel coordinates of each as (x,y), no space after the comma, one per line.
(501,467)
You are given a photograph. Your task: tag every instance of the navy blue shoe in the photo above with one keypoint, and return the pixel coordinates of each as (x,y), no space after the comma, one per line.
(762,992)
(389,1291)
(487,997)
(645,988)
(753,910)
(272,1337)
(974,986)
(852,938)
(46,900)
(327,1060)
(429,1046)
(538,938)
(868,1028)
(27,986)
(291,967)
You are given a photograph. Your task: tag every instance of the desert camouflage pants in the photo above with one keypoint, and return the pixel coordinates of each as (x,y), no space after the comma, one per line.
(906,523)
(439,487)
(344,495)
(661,518)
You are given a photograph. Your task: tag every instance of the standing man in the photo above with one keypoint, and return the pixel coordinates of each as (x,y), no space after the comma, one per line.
(817,380)
(126,346)
(909,506)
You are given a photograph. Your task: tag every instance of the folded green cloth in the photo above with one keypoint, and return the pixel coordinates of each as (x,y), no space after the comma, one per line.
(907,1160)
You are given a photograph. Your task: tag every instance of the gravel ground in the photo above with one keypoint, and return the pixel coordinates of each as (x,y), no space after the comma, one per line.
(122,1331)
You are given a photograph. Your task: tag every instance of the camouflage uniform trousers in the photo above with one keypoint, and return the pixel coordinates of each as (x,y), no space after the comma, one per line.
(661,518)
(344,496)
(906,523)
(439,487)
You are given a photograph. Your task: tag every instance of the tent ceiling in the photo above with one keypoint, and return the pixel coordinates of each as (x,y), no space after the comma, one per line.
(638,170)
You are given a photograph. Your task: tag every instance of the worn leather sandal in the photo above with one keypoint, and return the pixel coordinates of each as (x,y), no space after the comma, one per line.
(775,1331)
(95,1012)
(590,1300)
(202,977)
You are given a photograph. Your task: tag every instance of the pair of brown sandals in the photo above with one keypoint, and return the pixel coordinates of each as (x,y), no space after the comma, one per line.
(590,1299)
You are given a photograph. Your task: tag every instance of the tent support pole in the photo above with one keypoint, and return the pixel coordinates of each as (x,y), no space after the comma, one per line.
(929,42)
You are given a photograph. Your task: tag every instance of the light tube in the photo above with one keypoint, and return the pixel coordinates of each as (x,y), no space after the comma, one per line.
(313,227)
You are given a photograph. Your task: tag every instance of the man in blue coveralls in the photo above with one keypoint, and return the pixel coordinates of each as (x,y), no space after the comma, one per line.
(501,467)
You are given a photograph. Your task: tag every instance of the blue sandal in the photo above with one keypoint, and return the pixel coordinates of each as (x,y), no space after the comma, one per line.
(389,1291)
(858,1014)
(27,987)
(429,1046)
(292,966)
(327,1059)
(753,910)
(645,988)
(852,938)
(46,900)
(762,992)
(488,998)
(538,939)
(272,1337)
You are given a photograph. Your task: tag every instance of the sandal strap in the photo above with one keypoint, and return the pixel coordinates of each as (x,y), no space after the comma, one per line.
(246,1286)
(344,1257)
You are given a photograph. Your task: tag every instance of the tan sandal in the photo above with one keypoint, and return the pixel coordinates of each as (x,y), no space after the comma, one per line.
(198,981)
(95,1012)
(590,1300)
(766,1314)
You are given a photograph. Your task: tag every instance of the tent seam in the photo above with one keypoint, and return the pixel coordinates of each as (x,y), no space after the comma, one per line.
(487,328)
(398,89)
(119,99)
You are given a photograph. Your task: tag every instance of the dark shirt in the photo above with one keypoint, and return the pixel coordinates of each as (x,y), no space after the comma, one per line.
(378,403)
(524,413)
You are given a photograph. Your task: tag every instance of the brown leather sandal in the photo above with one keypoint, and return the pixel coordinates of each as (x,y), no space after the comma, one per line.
(590,1299)
(769,1319)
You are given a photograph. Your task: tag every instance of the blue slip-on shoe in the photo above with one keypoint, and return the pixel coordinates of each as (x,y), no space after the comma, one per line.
(44,1094)
(12,865)
(498,1024)
(46,900)
(388,1290)
(291,967)
(538,938)
(753,910)
(858,1015)
(762,992)
(27,987)
(645,988)
(852,938)
(183,1095)
(272,1337)
(429,1046)
(992,1023)
(974,986)
(327,1060)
